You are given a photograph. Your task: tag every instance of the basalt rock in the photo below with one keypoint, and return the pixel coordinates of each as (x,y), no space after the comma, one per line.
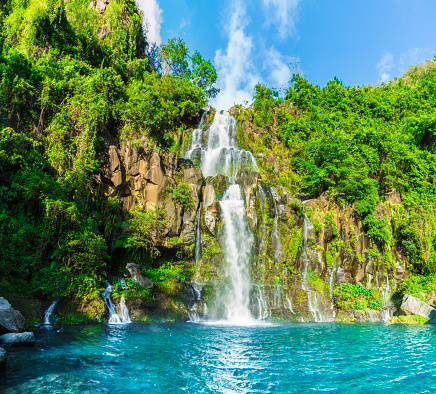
(220,184)
(3,357)
(414,306)
(248,180)
(211,208)
(17,339)
(11,320)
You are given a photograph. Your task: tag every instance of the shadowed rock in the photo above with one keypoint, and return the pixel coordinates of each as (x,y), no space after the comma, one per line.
(3,357)
(138,275)
(17,339)
(10,319)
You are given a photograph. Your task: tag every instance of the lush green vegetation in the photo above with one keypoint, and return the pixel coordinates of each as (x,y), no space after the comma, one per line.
(72,78)
(349,296)
(359,145)
(419,286)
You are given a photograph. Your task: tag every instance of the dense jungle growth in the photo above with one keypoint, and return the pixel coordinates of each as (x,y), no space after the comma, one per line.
(79,78)
(75,75)
(358,145)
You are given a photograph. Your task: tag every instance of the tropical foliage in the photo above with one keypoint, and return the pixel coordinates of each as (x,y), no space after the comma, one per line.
(73,76)
(360,145)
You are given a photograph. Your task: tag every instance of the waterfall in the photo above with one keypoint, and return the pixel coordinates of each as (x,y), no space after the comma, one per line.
(331,284)
(276,241)
(216,150)
(386,301)
(124,312)
(197,226)
(48,314)
(307,226)
(312,302)
(237,248)
(220,155)
(113,315)
(262,303)
(264,241)
(193,313)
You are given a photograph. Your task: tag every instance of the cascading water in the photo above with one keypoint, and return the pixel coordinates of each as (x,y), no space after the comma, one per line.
(124,311)
(386,301)
(312,301)
(336,264)
(237,247)
(221,155)
(193,313)
(276,241)
(49,313)
(197,226)
(114,318)
(307,227)
(264,241)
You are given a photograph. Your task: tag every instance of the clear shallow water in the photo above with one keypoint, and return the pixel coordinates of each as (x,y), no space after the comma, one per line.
(196,358)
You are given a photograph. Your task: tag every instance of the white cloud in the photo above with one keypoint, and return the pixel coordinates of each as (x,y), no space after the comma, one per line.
(278,67)
(283,14)
(152,19)
(384,67)
(414,56)
(184,23)
(236,72)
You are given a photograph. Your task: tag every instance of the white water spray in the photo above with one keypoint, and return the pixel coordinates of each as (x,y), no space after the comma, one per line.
(220,154)
(114,318)
(48,313)
(386,301)
(237,247)
(217,151)
(312,302)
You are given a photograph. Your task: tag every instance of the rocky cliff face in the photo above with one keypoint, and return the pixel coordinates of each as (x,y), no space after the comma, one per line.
(302,248)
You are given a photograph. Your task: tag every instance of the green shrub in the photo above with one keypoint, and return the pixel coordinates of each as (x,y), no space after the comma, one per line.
(183,196)
(418,286)
(350,296)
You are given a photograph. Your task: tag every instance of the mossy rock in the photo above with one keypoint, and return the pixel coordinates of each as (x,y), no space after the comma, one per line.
(220,185)
(411,320)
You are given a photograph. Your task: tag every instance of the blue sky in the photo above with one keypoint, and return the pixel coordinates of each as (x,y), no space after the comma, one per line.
(359,41)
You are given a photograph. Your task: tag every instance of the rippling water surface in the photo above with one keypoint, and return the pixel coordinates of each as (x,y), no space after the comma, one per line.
(197,358)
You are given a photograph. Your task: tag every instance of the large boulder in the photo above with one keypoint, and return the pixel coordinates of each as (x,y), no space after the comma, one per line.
(138,275)
(414,306)
(17,339)
(3,357)
(10,319)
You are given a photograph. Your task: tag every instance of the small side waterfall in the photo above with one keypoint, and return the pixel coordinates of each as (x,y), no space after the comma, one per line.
(124,311)
(336,264)
(48,314)
(264,311)
(197,226)
(386,301)
(312,302)
(193,313)
(276,241)
(114,318)
(307,226)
